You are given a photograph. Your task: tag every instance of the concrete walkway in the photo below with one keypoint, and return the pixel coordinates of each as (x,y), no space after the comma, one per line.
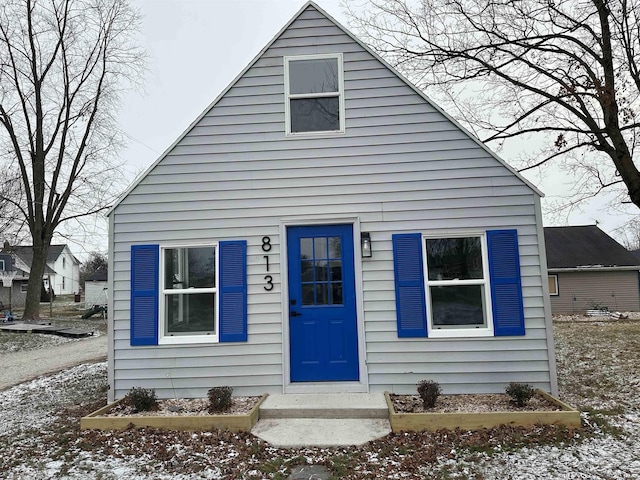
(19,367)
(322,420)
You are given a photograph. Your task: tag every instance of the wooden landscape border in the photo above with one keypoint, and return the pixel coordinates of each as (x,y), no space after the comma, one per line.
(417,422)
(234,423)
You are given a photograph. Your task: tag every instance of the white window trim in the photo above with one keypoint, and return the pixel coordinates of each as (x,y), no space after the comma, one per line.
(486,331)
(188,339)
(339,94)
(555,280)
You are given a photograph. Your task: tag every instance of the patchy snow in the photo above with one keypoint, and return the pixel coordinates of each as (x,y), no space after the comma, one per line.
(598,371)
(604,457)
(28,405)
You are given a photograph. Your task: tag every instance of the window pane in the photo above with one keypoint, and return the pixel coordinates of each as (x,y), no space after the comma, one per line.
(315,114)
(189,313)
(306,270)
(313,76)
(454,258)
(335,247)
(552,285)
(306,248)
(458,306)
(321,270)
(336,270)
(322,294)
(320,247)
(189,268)
(307,294)
(336,293)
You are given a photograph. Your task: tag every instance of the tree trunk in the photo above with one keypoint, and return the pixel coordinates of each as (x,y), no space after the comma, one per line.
(34,289)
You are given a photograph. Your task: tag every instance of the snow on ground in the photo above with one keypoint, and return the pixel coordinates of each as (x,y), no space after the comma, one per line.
(28,405)
(604,457)
(598,364)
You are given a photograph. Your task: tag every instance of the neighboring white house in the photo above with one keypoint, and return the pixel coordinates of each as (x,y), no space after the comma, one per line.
(62,268)
(66,279)
(324,227)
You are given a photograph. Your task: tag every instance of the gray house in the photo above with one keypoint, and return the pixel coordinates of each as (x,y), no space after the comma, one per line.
(590,270)
(62,269)
(324,227)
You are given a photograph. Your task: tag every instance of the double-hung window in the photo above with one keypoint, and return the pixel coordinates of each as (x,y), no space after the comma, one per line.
(188,292)
(458,294)
(314,94)
(458,286)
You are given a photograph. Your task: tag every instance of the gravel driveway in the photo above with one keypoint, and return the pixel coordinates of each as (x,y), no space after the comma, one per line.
(21,366)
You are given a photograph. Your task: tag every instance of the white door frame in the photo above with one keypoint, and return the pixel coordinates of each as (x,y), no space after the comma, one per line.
(361,385)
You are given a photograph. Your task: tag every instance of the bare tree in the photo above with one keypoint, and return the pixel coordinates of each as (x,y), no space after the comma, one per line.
(12,223)
(629,234)
(563,75)
(62,67)
(97,261)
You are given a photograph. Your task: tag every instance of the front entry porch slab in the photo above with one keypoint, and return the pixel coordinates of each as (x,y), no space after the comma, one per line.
(325,420)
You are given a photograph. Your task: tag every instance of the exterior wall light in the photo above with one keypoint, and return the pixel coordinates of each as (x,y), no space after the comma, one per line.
(365,243)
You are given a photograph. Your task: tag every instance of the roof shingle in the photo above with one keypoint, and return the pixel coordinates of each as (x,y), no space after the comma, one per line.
(585,246)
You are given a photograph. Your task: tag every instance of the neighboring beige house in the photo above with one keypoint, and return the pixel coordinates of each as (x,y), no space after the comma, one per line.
(590,270)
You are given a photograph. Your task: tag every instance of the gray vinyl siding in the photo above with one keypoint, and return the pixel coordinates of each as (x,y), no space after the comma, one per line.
(581,291)
(401,166)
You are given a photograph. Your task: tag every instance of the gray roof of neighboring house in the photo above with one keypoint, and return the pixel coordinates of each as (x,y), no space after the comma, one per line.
(99,275)
(585,246)
(25,252)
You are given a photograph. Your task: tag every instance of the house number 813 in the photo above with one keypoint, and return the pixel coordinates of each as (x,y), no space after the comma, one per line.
(266,247)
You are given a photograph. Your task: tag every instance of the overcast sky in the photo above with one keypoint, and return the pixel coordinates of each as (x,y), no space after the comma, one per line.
(196,48)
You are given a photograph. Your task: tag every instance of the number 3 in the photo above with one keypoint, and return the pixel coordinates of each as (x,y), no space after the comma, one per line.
(269,285)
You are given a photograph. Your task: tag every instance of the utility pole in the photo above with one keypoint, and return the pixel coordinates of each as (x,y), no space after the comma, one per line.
(50,297)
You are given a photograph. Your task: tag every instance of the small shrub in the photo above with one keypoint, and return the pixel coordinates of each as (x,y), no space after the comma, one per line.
(429,391)
(219,399)
(142,399)
(520,393)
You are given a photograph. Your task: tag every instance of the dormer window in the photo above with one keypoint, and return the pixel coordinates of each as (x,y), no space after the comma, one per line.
(314,94)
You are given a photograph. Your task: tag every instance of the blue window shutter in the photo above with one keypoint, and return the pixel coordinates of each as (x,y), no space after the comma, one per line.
(409,279)
(233,291)
(144,294)
(506,285)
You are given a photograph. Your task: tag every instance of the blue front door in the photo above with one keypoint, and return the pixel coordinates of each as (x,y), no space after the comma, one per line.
(322,304)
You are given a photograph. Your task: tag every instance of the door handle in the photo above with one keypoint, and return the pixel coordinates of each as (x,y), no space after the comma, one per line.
(295,314)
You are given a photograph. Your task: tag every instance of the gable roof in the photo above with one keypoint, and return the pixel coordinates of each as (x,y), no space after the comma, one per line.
(585,247)
(25,253)
(306,6)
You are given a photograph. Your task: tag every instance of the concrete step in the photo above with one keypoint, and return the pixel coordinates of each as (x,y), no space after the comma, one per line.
(325,406)
(320,432)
